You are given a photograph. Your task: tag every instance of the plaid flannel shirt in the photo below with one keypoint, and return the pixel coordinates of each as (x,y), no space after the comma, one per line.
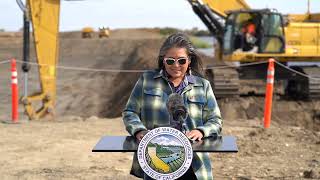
(146,110)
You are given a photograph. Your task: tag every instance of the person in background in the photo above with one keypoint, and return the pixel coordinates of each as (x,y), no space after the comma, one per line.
(250,40)
(179,71)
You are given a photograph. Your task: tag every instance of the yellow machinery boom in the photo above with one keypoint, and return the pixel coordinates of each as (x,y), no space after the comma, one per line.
(221,7)
(44,15)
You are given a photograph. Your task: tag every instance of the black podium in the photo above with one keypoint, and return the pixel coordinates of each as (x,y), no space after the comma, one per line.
(225,144)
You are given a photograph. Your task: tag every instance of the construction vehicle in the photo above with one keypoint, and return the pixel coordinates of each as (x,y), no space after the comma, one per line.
(87,32)
(296,39)
(104,32)
(289,38)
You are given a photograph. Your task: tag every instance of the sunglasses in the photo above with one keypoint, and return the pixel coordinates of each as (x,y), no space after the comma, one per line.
(171,61)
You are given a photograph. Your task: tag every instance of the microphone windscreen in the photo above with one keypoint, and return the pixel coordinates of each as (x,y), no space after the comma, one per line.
(175,103)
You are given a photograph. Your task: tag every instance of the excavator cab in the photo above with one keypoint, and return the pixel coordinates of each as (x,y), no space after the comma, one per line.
(266,32)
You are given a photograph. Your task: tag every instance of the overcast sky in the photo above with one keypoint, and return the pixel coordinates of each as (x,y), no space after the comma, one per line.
(139,13)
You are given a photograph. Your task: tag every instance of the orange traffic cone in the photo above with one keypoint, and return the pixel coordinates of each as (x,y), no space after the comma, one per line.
(14,88)
(269,94)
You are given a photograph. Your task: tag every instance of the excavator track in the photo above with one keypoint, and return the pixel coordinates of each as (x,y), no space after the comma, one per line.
(301,87)
(313,89)
(224,82)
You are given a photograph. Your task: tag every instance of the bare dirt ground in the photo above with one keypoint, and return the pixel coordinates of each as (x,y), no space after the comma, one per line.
(89,104)
(62,150)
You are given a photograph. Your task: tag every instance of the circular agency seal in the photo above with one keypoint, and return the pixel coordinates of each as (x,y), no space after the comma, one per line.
(165,153)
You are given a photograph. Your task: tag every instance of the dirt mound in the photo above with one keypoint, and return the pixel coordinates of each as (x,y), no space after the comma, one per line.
(287,113)
(105,93)
(116,34)
(143,57)
(10,34)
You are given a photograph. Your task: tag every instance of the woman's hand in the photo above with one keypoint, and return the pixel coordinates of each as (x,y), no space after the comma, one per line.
(140,134)
(195,135)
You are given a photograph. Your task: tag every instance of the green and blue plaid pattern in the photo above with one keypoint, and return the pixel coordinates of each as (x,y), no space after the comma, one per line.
(146,109)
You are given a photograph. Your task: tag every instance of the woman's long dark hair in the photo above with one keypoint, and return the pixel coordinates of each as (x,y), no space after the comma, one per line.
(180,40)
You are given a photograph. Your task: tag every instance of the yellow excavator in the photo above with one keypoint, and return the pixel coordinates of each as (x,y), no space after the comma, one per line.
(285,38)
(104,32)
(87,32)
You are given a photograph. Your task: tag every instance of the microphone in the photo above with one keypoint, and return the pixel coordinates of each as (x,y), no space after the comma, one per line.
(177,110)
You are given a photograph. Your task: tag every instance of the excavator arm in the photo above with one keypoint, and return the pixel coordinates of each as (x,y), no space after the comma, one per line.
(213,13)
(221,7)
(44,15)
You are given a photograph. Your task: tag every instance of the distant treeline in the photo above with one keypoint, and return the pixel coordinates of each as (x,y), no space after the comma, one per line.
(167,31)
(192,32)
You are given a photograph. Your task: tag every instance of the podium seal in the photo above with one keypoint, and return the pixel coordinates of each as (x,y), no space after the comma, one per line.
(165,153)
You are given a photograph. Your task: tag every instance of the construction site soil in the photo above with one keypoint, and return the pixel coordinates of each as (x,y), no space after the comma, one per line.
(89,105)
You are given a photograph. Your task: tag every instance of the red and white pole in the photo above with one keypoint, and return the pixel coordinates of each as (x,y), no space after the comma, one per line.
(14,88)
(269,94)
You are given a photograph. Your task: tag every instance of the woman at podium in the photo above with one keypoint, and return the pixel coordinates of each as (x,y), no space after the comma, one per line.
(179,71)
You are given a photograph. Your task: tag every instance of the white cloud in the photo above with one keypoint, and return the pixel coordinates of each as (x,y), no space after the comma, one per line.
(166,141)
